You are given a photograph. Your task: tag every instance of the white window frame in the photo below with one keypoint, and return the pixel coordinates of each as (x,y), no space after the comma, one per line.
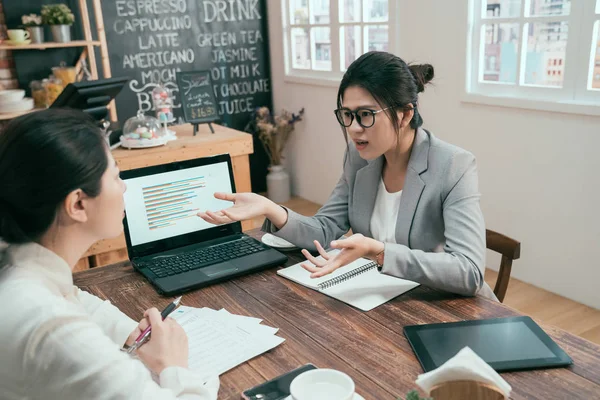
(333,77)
(573,97)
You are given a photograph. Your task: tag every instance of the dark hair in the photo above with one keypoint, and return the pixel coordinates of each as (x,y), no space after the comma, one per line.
(391,81)
(44,156)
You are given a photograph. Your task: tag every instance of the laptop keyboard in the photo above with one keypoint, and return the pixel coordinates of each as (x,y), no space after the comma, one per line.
(185,262)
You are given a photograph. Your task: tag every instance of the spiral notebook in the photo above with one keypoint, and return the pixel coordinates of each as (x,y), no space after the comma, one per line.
(358,283)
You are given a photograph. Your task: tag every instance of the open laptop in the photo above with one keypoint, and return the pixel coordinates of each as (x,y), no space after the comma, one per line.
(169,244)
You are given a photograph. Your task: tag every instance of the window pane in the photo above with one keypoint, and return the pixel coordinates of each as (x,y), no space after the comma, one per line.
(545,53)
(376,38)
(300,48)
(321,42)
(595,67)
(319,11)
(349,10)
(299,11)
(598,7)
(499,61)
(350,45)
(539,8)
(502,8)
(375,10)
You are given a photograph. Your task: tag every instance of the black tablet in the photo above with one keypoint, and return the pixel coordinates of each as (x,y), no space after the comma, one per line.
(506,344)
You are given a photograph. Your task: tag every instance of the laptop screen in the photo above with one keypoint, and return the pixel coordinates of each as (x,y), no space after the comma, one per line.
(165,204)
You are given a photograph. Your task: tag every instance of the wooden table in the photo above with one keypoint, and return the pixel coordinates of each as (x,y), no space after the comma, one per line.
(370,347)
(225,140)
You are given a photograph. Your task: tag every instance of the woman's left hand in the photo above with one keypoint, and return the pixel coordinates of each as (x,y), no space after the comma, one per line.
(352,248)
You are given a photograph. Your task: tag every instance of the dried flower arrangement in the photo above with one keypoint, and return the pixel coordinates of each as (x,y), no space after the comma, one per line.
(274,130)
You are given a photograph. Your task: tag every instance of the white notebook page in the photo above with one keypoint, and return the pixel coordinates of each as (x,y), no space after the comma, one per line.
(364,291)
(369,289)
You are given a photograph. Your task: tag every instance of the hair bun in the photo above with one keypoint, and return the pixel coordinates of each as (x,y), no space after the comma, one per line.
(423,74)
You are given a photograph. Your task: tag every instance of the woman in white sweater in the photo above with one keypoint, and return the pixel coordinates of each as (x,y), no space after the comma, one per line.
(61,192)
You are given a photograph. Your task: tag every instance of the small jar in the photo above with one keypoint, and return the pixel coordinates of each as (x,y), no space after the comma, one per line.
(53,87)
(65,74)
(39,94)
(163,104)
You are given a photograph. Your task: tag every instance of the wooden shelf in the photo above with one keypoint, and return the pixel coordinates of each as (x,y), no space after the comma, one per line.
(87,53)
(51,45)
(7,116)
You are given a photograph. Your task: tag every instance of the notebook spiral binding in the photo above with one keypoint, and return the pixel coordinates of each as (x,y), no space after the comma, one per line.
(348,275)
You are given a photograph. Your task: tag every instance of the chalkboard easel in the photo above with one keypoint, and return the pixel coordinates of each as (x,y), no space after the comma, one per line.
(197,98)
(212,130)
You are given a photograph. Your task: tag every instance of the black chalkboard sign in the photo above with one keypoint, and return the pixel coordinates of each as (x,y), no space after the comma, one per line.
(197,98)
(152,41)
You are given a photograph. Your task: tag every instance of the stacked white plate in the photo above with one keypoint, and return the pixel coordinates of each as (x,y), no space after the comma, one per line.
(143,143)
(277,242)
(14,100)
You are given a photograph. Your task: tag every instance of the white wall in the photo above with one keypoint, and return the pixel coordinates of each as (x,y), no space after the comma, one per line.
(537,173)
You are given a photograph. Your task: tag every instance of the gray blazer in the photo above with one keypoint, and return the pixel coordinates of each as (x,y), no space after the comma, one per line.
(440,229)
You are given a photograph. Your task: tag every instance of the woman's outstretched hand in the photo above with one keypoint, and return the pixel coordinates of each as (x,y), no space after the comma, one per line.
(351,249)
(245,206)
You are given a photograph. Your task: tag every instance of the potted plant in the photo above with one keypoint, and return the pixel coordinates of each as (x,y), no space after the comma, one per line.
(274,132)
(414,395)
(60,18)
(33,24)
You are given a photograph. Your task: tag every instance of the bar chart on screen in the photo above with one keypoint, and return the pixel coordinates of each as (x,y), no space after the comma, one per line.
(168,203)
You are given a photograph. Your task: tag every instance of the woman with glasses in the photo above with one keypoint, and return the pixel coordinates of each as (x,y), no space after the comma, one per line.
(410,199)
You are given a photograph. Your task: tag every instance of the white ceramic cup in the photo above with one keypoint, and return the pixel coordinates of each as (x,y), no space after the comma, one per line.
(18,35)
(322,384)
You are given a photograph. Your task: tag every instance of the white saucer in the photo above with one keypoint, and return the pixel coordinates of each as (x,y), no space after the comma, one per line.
(15,43)
(171,135)
(143,143)
(356,397)
(277,242)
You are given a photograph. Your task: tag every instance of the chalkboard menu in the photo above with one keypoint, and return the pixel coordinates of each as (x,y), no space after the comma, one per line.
(151,41)
(197,98)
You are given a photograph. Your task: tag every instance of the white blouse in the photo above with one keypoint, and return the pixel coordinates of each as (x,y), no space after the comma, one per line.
(385,214)
(59,342)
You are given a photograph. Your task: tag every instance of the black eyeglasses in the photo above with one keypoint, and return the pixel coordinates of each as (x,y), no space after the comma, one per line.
(364,116)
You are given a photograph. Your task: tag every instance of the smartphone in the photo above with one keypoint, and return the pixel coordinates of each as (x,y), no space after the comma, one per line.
(277,388)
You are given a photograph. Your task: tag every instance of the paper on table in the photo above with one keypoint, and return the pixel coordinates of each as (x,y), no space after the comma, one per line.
(249,324)
(216,346)
(465,365)
(241,318)
(181,310)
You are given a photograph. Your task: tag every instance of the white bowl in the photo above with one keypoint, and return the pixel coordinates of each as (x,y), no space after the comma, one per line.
(11,96)
(322,384)
(25,104)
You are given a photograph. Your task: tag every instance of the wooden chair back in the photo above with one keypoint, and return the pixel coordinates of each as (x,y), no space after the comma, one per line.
(510,250)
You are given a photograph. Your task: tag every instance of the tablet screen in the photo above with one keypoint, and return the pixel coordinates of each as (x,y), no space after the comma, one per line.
(504,343)
(498,342)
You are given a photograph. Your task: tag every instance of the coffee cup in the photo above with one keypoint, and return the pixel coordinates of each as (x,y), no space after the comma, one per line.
(322,384)
(18,35)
